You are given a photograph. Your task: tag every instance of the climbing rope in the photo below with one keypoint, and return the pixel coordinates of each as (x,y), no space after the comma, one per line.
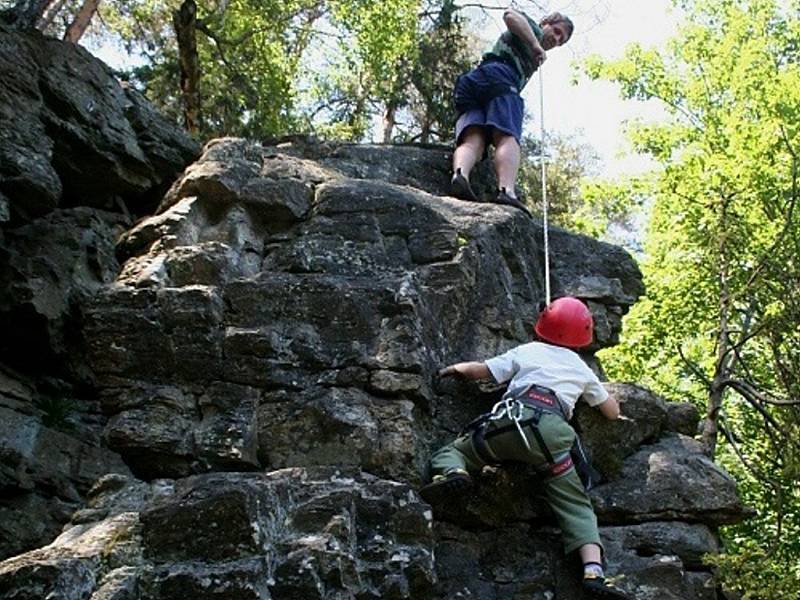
(544,192)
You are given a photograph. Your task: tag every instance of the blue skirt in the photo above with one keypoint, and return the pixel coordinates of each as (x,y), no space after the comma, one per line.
(487,96)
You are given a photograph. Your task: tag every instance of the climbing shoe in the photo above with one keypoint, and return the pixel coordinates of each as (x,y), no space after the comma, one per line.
(444,487)
(460,188)
(504,198)
(598,587)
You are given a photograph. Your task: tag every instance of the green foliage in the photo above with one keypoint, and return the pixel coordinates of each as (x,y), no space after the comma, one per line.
(364,68)
(761,559)
(720,321)
(603,209)
(445,51)
(768,577)
(270,68)
(384,35)
(405,79)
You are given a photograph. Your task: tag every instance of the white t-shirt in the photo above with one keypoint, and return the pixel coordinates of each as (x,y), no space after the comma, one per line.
(554,367)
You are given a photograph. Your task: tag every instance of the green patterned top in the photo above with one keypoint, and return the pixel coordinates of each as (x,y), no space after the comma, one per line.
(511,49)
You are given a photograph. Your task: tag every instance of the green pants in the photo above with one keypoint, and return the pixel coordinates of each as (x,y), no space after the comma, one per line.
(565,493)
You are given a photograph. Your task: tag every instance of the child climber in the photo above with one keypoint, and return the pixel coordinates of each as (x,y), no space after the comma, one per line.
(529,425)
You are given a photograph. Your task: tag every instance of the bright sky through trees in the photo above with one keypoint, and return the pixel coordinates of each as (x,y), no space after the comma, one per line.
(592,109)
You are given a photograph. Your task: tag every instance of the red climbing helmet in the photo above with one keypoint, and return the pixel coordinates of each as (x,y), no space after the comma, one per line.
(566,322)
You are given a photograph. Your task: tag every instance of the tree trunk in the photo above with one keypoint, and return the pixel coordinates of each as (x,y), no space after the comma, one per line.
(716,393)
(710,426)
(185,22)
(50,14)
(25,14)
(389,122)
(78,26)
(425,129)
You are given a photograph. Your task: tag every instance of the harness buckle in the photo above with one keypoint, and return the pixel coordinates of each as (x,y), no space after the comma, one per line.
(512,409)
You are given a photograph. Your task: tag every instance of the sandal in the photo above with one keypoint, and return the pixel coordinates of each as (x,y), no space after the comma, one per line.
(504,198)
(460,188)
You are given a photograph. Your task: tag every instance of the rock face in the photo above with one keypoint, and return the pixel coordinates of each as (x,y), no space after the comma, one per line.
(78,153)
(50,266)
(71,135)
(279,313)
(295,533)
(247,377)
(50,455)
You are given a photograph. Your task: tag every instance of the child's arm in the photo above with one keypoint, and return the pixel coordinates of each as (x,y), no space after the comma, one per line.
(517,24)
(468,370)
(609,408)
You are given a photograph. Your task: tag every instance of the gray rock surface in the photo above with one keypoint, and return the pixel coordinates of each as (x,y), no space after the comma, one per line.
(296,533)
(670,480)
(79,153)
(608,443)
(322,302)
(683,417)
(50,456)
(71,134)
(49,267)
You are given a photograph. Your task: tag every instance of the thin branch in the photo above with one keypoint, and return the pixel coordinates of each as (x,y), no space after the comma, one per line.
(745,336)
(484,7)
(766,399)
(759,477)
(695,369)
(698,123)
(788,221)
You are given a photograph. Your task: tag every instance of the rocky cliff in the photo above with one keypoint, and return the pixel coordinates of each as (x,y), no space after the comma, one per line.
(235,397)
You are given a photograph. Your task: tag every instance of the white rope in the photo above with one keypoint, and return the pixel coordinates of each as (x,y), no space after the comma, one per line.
(544,193)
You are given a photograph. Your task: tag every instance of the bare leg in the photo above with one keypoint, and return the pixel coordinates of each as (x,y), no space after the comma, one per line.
(470,150)
(506,161)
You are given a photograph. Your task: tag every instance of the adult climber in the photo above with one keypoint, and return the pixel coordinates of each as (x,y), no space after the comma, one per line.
(530,425)
(489,106)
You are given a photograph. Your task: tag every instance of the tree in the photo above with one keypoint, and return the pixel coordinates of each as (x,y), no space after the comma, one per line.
(269,68)
(595,207)
(184,21)
(78,26)
(720,322)
(364,68)
(445,50)
(43,15)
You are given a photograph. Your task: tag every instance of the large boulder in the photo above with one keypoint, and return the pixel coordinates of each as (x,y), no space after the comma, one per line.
(263,359)
(48,269)
(643,416)
(79,154)
(662,560)
(672,479)
(658,560)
